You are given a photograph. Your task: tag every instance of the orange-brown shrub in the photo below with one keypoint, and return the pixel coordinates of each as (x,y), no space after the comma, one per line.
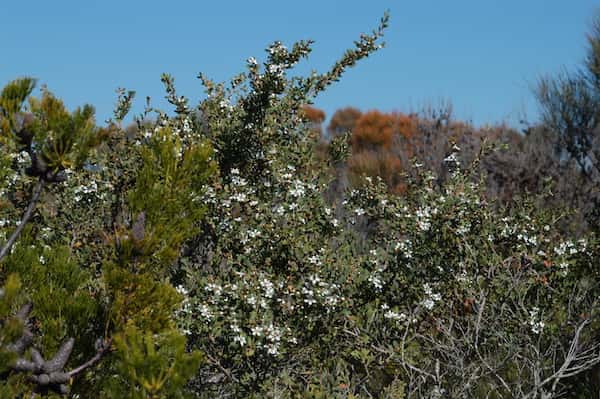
(313,114)
(343,120)
(380,141)
(373,129)
(314,118)
(405,125)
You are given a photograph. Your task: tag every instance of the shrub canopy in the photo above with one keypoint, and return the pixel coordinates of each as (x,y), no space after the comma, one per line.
(200,255)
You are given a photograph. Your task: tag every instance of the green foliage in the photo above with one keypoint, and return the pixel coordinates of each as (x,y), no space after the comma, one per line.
(12,98)
(95,261)
(260,110)
(197,255)
(138,299)
(65,303)
(151,366)
(65,138)
(11,327)
(165,197)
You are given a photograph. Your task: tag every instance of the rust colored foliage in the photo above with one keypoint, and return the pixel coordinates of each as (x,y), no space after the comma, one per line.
(313,114)
(343,120)
(375,128)
(314,118)
(380,141)
(405,125)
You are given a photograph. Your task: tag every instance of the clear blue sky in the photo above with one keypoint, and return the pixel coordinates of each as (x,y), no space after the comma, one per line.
(483,55)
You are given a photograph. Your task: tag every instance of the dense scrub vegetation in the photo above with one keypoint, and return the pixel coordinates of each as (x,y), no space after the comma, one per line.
(228,250)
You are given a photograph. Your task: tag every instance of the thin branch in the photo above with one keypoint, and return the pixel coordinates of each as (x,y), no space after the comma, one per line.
(482,300)
(223,369)
(97,357)
(407,364)
(37,190)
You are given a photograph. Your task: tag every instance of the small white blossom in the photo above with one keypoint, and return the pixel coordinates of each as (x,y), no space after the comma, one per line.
(315,260)
(376,282)
(535,322)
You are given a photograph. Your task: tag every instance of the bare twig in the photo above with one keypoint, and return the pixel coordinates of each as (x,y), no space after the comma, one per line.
(102,350)
(223,369)
(482,300)
(37,190)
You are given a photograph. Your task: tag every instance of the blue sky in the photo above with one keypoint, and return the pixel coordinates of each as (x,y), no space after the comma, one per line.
(482,55)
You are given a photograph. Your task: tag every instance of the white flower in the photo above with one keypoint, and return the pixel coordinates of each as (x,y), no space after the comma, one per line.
(205,312)
(424,217)
(451,158)
(394,315)
(428,303)
(310,301)
(427,289)
(241,339)
(315,279)
(314,259)
(279,210)
(298,189)
(256,331)
(276,69)
(404,247)
(239,197)
(238,181)
(273,349)
(463,229)
(23,158)
(253,233)
(251,300)
(536,324)
(376,281)
(181,290)
(431,297)
(224,104)
(268,287)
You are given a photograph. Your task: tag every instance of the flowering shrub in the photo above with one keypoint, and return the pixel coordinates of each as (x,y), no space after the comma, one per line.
(443,296)
(198,255)
(439,292)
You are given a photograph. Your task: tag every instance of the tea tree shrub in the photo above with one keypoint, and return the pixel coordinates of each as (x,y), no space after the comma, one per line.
(446,295)
(439,292)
